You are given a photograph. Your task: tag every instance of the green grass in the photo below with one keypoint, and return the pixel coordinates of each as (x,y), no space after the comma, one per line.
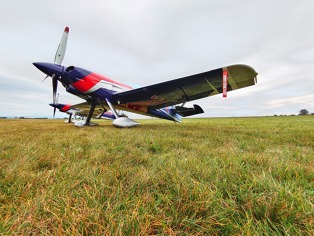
(243,176)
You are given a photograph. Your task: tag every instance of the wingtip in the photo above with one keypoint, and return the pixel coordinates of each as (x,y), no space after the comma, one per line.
(66,29)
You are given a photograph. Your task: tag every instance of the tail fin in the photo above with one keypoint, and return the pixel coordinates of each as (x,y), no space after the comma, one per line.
(185,111)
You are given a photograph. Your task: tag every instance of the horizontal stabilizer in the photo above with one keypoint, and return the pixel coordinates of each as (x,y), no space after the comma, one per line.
(185,111)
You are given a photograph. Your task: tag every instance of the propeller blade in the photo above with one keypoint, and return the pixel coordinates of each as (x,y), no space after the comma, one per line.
(62,47)
(54,109)
(45,78)
(54,87)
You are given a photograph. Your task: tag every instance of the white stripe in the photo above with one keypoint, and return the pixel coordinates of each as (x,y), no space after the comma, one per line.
(107,86)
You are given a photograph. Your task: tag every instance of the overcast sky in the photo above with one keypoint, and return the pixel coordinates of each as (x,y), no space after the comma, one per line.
(150,41)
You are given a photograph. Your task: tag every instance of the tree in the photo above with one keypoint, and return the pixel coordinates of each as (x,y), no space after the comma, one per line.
(303,112)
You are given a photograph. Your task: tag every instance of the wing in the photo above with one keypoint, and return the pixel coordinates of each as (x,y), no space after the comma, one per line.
(185,89)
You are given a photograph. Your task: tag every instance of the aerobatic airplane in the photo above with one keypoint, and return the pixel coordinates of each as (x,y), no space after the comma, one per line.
(159,100)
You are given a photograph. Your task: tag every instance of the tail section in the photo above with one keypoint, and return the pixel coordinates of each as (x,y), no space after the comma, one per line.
(176,113)
(185,111)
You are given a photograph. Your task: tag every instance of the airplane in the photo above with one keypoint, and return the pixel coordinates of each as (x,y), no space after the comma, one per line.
(165,100)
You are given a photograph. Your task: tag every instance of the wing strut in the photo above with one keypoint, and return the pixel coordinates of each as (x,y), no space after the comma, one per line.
(112,108)
(121,122)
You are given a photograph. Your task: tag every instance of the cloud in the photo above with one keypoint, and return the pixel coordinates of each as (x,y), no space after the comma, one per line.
(306,101)
(25,97)
(150,41)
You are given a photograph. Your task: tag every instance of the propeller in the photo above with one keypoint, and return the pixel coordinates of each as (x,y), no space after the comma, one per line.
(54,108)
(58,60)
(54,90)
(45,78)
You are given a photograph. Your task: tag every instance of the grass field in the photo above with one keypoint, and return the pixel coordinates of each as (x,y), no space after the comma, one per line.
(245,176)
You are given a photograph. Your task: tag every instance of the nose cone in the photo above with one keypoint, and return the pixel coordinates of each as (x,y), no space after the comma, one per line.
(49,68)
(61,107)
(57,105)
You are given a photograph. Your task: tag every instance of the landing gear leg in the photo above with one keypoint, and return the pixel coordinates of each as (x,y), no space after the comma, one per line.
(90,113)
(70,118)
(121,122)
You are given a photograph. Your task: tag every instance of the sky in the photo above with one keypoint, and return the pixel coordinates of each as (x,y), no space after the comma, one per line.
(143,42)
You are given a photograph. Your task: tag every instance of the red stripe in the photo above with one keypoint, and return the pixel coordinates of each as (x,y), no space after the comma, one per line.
(85,83)
(92,79)
(224,83)
(65,107)
(134,107)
